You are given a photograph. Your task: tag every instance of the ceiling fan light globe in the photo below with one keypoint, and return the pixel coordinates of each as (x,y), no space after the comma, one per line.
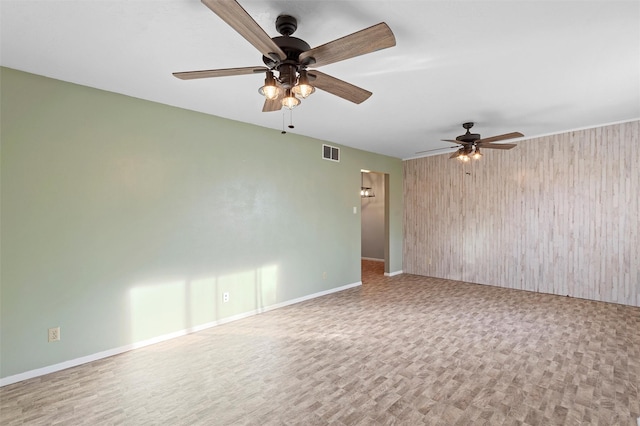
(290,102)
(459,154)
(270,92)
(303,90)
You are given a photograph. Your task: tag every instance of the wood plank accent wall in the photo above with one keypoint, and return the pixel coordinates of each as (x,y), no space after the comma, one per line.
(557,214)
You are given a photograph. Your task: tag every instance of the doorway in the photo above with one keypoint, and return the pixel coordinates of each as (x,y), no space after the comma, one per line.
(374,223)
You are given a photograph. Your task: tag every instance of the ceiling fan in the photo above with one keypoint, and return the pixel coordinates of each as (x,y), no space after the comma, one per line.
(287,58)
(470,143)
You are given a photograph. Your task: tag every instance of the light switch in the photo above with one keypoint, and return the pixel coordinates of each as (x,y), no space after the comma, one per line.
(355,210)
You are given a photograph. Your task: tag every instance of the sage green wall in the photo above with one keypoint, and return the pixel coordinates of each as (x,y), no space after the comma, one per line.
(124,220)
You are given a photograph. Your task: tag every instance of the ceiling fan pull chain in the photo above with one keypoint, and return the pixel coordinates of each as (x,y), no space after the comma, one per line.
(291,119)
(283,131)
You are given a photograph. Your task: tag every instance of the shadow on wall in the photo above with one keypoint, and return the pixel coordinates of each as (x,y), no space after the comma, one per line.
(165,307)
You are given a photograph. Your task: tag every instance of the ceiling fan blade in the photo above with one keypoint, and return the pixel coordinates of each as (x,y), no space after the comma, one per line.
(359,43)
(448,148)
(453,141)
(338,87)
(496,145)
(235,16)
(191,75)
(502,137)
(271,105)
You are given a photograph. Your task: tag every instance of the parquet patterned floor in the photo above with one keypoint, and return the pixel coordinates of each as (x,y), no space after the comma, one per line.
(402,350)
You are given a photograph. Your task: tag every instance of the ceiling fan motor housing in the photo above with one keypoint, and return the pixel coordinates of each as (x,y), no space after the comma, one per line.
(291,46)
(287,68)
(468,137)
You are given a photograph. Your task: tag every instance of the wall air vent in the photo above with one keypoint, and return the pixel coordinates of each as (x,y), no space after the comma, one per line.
(330,153)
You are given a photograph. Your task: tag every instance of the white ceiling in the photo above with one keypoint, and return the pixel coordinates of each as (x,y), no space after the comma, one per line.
(538,67)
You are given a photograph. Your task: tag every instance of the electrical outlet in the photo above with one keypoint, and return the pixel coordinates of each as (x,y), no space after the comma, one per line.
(54,334)
(225,297)
(429,261)
(324,275)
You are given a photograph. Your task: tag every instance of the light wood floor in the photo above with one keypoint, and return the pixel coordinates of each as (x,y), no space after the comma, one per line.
(400,350)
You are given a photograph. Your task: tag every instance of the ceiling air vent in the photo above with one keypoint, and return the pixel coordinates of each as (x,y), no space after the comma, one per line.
(330,153)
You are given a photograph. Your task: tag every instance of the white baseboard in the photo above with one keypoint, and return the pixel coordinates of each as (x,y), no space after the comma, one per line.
(392,274)
(111,352)
(375,259)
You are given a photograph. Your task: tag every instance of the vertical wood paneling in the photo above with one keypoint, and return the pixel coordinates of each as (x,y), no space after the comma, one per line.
(558,214)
